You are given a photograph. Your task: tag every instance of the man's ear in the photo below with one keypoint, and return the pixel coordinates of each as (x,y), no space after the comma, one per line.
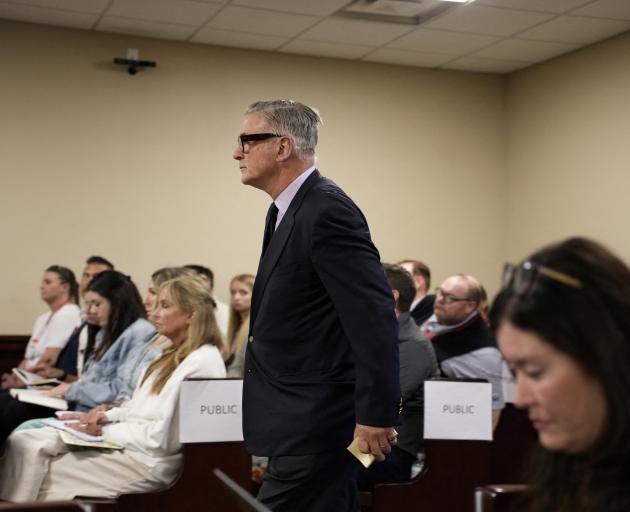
(285,148)
(396,294)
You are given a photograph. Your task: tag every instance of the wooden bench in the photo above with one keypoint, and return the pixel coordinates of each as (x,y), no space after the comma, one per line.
(501,498)
(51,506)
(197,488)
(12,348)
(454,469)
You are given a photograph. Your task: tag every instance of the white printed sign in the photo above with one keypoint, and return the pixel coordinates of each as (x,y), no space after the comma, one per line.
(210,411)
(458,410)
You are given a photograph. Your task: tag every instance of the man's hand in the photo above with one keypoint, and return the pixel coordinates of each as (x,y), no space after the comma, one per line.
(376,440)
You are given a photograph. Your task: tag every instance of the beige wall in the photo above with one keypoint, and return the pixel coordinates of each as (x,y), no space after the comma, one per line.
(139,168)
(568,169)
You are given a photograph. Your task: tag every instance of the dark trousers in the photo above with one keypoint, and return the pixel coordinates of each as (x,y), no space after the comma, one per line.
(13,413)
(395,468)
(321,482)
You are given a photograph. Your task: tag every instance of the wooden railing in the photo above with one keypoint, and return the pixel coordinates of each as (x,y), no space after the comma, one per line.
(12,347)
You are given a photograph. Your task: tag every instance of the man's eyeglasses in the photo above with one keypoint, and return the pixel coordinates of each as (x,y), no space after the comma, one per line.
(250,137)
(519,278)
(448,298)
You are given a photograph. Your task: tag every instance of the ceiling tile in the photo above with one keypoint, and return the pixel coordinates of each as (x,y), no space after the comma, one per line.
(165,11)
(555,6)
(407,58)
(315,8)
(615,9)
(257,21)
(485,65)
(88,6)
(47,16)
(442,41)
(209,35)
(576,30)
(145,28)
(320,48)
(527,51)
(488,20)
(367,33)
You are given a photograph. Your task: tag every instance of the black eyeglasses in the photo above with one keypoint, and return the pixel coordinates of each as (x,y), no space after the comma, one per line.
(519,278)
(250,137)
(448,298)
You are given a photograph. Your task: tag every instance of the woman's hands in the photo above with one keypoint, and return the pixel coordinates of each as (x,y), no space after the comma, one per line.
(90,423)
(58,391)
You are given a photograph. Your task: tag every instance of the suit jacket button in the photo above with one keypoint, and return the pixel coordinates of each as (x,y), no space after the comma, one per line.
(251,338)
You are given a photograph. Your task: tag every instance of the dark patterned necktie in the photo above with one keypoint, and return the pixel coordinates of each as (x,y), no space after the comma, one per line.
(270,225)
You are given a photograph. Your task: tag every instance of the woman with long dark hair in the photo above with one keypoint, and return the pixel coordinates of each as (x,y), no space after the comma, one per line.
(563,325)
(114,301)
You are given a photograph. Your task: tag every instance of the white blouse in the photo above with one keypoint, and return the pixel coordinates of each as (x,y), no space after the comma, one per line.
(147,425)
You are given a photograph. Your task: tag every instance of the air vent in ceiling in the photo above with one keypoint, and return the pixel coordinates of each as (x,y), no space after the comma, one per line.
(410,12)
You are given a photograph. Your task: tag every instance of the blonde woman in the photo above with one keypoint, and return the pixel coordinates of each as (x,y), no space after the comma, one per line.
(241,288)
(39,466)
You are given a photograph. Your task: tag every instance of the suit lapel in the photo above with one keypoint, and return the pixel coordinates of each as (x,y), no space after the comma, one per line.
(269,259)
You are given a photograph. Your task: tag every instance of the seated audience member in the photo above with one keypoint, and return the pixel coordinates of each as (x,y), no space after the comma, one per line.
(241,288)
(484,304)
(422,305)
(417,364)
(113,304)
(93,265)
(221,311)
(563,325)
(462,339)
(72,357)
(52,329)
(39,466)
(114,301)
(149,351)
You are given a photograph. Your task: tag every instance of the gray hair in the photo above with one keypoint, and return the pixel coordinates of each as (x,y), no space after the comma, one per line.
(292,118)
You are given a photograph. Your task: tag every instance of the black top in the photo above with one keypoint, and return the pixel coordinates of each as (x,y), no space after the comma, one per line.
(423,310)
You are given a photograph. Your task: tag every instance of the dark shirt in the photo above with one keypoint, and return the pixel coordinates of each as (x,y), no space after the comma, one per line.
(417,364)
(423,310)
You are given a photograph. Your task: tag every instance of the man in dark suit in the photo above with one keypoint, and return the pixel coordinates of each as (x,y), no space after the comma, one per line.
(322,359)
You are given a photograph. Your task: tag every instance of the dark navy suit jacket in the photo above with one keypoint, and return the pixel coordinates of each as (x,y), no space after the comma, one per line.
(323,350)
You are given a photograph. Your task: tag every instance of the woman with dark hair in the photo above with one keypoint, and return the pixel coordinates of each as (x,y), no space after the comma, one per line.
(114,302)
(563,325)
(59,290)
(39,466)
